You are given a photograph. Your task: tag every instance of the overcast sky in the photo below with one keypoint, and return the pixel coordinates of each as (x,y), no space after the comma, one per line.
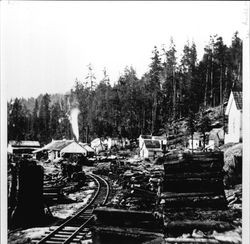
(46,45)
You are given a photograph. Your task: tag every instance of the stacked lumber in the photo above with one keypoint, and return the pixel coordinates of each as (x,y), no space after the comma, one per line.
(194,180)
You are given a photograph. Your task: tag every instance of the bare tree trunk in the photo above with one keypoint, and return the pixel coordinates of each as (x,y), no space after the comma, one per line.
(211,81)
(174,95)
(143,120)
(192,137)
(154,110)
(221,78)
(206,85)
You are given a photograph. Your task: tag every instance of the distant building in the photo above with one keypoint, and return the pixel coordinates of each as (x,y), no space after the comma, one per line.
(142,138)
(90,150)
(162,140)
(22,147)
(151,149)
(234,113)
(196,142)
(98,145)
(119,142)
(62,148)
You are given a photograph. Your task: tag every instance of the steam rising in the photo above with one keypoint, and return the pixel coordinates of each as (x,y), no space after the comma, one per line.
(74,121)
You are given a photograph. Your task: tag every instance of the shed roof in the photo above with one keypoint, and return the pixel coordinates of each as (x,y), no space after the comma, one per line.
(73,147)
(86,147)
(235,96)
(59,145)
(24,143)
(56,145)
(145,136)
(238,99)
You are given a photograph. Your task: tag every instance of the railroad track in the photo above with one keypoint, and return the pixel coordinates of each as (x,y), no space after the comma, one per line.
(76,229)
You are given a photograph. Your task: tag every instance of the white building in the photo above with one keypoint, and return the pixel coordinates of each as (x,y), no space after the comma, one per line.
(58,148)
(98,145)
(142,138)
(150,149)
(162,140)
(22,147)
(123,142)
(196,142)
(234,113)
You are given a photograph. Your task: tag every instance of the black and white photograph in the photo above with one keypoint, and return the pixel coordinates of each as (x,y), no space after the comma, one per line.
(125,122)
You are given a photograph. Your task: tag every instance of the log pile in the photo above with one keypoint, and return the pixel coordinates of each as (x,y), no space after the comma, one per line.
(194,180)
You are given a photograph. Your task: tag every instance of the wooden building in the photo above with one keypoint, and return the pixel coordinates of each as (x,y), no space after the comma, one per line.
(151,149)
(162,140)
(98,145)
(195,142)
(22,147)
(234,113)
(57,149)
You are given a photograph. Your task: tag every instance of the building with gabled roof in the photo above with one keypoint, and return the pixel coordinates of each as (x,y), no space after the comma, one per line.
(98,145)
(151,149)
(234,113)
(59,148)
(90,150)
(22,147)
(162,140)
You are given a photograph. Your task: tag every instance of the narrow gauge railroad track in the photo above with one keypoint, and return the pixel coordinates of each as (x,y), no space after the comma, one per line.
(76,228)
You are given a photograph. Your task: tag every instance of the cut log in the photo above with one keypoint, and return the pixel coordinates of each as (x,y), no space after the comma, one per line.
(187,226)
(165,195)
(196,202)
(181,166)
(191,240)
(126,218)
(203,175)
(197,185)
(112,235)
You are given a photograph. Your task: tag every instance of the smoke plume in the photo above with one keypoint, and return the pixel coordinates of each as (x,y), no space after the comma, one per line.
(74,122)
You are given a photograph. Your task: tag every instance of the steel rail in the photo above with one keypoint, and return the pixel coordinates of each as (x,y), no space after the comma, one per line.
(96,178)
(92,216)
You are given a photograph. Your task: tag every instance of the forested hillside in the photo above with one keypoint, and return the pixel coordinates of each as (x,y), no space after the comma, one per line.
(170,90)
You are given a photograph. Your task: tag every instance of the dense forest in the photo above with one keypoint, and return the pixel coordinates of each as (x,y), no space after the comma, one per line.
(169,91)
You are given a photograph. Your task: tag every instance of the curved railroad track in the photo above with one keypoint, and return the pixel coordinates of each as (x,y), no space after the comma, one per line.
(76,228)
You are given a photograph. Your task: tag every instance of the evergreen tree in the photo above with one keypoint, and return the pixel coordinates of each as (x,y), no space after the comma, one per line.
(155,88)
(44,119)
(203,125)
(16,121)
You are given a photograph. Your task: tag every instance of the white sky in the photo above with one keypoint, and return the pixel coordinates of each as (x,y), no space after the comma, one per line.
(46,45)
